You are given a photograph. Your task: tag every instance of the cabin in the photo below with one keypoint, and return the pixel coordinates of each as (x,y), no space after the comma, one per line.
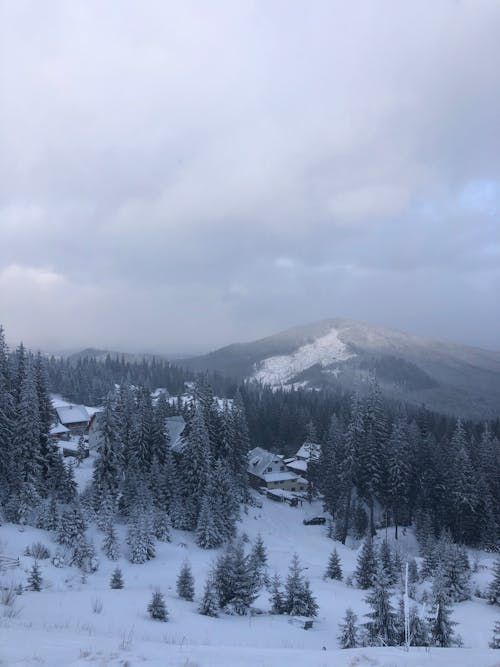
(268,470)
(59,432)
(309,451)
(74,417)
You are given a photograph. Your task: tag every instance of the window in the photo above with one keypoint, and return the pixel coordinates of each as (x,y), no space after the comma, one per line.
(269,469)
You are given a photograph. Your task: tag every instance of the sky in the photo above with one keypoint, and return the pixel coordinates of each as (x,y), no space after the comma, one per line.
(176,176)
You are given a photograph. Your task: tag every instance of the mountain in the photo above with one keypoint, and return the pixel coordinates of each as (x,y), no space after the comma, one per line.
(444,376)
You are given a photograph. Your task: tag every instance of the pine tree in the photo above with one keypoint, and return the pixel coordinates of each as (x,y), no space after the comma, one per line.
(298,600)
(209,605)
(157,608)
(110,544)
(194,468)
(493,593)
(140,537)
(208,535)
(116,580)
(387,562)
(109,462)
(399,472)
(81,451)
(440,624)
(35,578)
(161,525)
(366,567)
(258,558)
(455,569)
(382,625)
(348,635)
(72,527)
(334,569)
(185,583)
(495,638)
(276,598)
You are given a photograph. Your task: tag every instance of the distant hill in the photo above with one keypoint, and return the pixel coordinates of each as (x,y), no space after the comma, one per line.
(447,377)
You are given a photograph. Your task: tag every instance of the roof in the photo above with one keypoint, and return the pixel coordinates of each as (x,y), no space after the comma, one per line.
(259,459)
(309,450)
(175,426)
(280,476)
(298,465)
(72,414)
(57,429)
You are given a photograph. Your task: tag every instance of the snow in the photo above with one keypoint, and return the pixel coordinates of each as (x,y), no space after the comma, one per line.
(72,414)
(57,429)
(324,351)
(280,476)
(58,628)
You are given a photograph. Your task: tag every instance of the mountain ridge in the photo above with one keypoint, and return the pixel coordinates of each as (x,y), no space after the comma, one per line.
(446,376)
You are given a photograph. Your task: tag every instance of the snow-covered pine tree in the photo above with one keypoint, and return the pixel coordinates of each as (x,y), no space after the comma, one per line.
(348,630)
(194,468)
(353,440)
(244,585)
(185,583)
(276,597)
(495,637)
(455,568)
(81,450)
(366,566)
(110,544)
(35,578)
(334,569)
(116,580)
(209,605)
(161,525)
(386,560)
(381,627)
(208,535)
(72,526)
(258,558)
(298,600)
(399,472)
(439,621)
(493,592)
(157,608)
(108,464)
(140,537)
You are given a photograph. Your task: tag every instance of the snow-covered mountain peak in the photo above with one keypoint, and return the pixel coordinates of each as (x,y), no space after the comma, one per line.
(324,350)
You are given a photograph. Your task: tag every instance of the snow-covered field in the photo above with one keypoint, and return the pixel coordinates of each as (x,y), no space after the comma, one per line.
(325,350)
(58,627)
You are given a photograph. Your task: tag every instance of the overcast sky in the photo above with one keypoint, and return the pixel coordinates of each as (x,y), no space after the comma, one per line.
(175,176)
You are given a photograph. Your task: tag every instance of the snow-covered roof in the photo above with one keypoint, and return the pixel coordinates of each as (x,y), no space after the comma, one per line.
(298,465)
(309,450)
(259,459)
(175,426)
(280,476)
(72,414)
(57,429)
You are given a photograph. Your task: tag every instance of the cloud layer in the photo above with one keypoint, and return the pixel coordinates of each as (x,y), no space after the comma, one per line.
(178,175)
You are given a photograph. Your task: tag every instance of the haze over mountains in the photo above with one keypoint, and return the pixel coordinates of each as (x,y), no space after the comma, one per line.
(339,352)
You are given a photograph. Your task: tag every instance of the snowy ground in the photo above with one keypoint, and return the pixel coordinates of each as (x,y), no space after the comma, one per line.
(58,627)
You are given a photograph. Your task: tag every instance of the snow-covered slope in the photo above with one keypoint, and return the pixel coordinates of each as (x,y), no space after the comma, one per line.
(324,351)
(57,627)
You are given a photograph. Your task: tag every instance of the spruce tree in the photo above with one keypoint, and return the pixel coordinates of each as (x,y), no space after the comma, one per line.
(366,567)
(386,560)
(276,597)
(493,592)
(334,569)
(116,580)
(185,583)
(258,558)
(439,621)
(382,624)
(208,535)
(495,638)
(209,605)
(35,578)
(348,631)
(157,608)
(298,600)
(110,544)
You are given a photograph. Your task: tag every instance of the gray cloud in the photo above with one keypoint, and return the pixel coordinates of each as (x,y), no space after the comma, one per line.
(175,176)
